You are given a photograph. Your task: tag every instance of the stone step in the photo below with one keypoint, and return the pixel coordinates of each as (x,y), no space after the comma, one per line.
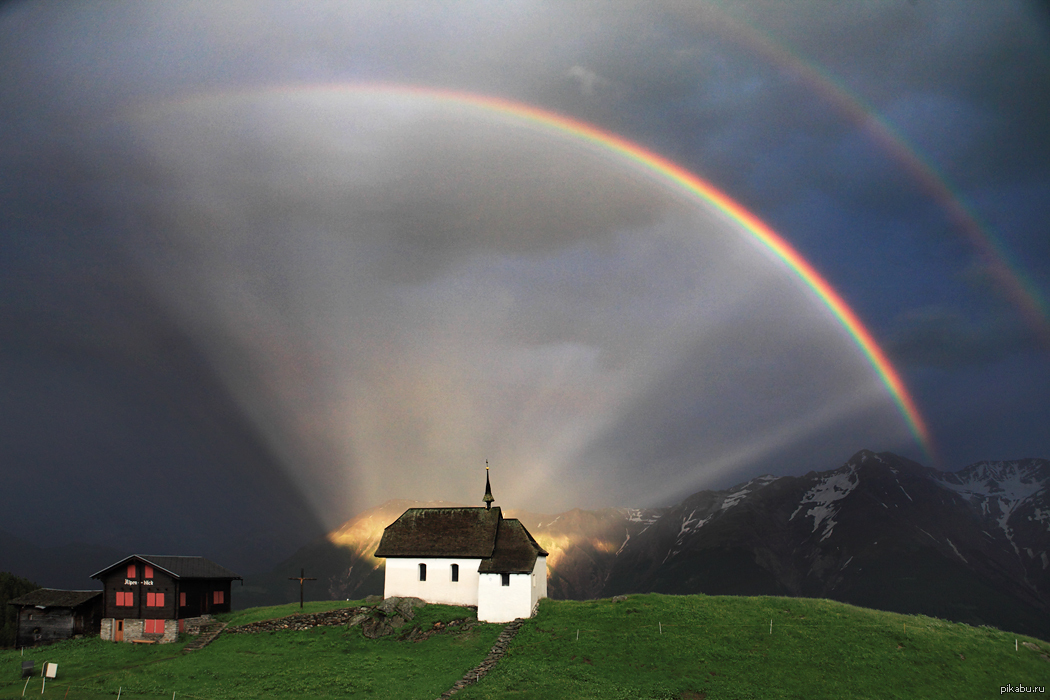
(495,654)
(209,633)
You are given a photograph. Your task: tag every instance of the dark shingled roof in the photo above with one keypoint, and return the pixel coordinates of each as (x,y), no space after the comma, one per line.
(441,532)
(515,551)
(179,567)
(52,598)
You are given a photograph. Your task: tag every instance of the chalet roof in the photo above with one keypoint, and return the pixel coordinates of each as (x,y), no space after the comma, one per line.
(515,551)
(441,532)
(178,567)
(53,598)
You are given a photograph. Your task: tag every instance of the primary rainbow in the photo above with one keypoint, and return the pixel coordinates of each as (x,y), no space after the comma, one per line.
(667,171)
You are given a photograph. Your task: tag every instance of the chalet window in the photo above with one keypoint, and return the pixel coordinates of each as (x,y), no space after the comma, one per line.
(455,573)
(218,597)
(422,572)
(125,599)
(504,579)
(182,599)
(155,600)
(153,626)
(147,572)
(131,571)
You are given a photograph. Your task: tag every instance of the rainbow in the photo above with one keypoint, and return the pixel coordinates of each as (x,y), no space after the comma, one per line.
(1018,288)
(662,169)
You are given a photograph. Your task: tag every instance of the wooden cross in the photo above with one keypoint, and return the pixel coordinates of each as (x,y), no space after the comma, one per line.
(301,578)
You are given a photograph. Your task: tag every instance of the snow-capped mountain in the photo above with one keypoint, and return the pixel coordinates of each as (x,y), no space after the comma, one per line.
(879,531)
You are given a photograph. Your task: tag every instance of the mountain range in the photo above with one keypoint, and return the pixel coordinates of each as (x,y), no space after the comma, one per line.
(880,531)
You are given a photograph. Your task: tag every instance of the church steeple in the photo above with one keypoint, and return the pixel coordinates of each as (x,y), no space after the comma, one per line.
(488,488)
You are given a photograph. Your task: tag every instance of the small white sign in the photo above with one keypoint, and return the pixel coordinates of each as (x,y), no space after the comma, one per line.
(51,670)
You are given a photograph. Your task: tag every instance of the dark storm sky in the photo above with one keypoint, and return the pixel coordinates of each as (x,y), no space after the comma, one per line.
(243,297)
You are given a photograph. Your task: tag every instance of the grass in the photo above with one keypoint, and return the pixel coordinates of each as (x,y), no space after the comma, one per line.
(244,617)
(325,662)
(648,646)
(654,646)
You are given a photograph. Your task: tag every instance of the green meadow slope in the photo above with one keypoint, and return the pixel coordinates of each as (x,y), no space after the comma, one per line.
(644,646)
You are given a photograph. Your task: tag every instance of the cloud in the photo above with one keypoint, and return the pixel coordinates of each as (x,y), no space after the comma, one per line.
(586,78)
(382,292)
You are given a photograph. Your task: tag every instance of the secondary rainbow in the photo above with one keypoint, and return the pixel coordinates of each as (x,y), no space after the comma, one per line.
(1018,288)
(667,171)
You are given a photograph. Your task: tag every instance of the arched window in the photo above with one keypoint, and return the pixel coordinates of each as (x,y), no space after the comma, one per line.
(422,572)
(455,573)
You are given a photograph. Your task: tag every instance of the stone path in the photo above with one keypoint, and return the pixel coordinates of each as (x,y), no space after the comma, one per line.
(208,634)
(495,654)
(301,621)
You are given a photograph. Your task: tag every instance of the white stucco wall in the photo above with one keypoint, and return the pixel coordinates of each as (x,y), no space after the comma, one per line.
(402,579)
(538,582)
(499,603)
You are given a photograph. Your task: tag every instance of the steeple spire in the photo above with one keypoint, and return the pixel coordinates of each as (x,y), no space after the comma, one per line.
(488,488)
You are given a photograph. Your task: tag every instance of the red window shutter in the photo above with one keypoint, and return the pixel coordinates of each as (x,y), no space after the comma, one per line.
(182,599)
(147,626)
(160,600)
(151,600)
(131,571)
(147,571)
(129,599)
(218,597)
(120,599)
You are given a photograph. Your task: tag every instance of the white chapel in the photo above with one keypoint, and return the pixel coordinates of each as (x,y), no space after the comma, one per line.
(465,556)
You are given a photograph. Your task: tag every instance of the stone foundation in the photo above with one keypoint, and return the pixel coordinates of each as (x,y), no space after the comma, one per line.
(192,625)
(133,630)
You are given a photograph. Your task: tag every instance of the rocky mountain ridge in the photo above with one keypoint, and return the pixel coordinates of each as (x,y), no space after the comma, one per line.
(879,531)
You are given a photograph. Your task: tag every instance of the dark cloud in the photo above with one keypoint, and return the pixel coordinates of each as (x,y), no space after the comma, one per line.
(217,263)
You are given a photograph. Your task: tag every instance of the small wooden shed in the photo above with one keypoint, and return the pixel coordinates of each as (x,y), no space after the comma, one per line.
(48,615)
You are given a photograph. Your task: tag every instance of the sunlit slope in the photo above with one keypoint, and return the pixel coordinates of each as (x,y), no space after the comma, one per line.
(582,547)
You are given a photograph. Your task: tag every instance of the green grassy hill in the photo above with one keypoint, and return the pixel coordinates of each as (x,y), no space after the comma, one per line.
(646,646)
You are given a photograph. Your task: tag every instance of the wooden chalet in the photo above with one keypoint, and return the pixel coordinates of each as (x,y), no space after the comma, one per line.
(48,615)
(153,598)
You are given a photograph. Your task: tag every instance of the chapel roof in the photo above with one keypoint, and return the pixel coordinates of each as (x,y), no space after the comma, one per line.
(515,551)
(178,567)
(441,532)
(54,598)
